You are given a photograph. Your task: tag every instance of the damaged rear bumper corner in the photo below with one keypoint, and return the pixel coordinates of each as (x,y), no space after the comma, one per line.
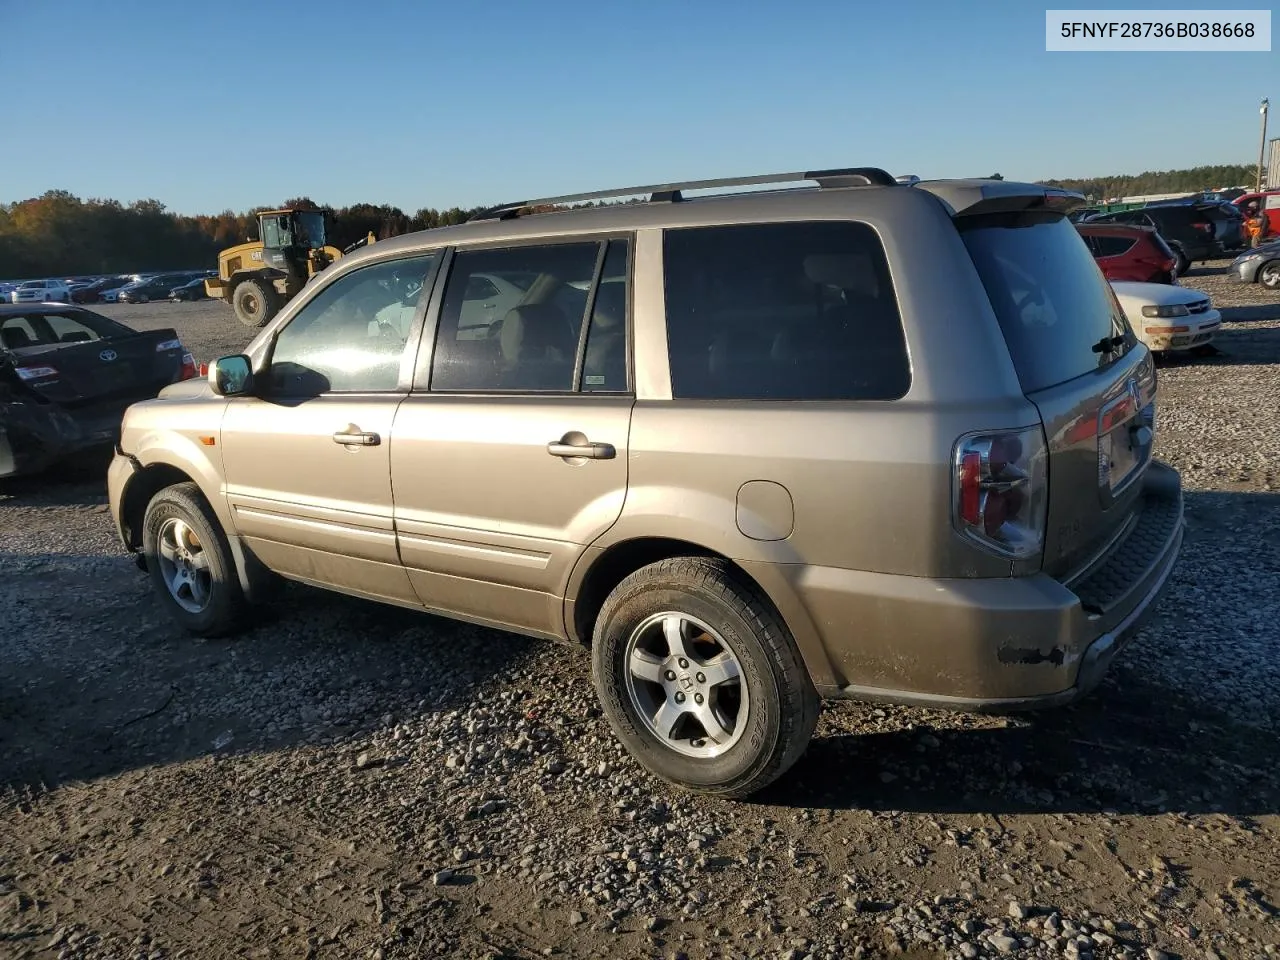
(1023,644)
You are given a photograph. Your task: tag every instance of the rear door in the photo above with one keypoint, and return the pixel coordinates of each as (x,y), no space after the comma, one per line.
(1080,364)
(509,456)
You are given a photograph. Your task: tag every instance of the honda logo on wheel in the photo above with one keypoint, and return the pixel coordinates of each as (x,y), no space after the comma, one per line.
(108,355)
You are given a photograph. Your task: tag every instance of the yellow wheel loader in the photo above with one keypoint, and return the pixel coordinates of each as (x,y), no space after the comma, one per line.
(259,277)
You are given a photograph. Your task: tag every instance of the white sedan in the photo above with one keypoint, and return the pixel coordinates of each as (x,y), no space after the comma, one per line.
(1168,317)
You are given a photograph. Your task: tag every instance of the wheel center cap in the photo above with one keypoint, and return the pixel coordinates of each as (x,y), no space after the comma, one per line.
(686,682)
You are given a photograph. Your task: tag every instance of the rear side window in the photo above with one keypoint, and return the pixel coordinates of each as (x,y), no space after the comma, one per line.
(1112,246)
(782,311)
(1057,311)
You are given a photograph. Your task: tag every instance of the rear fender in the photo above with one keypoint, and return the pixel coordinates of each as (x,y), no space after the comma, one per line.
(710,524)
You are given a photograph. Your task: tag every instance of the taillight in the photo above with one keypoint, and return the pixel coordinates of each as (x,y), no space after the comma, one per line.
(1202,226)
(36,373)
(1001,490)
(188,367)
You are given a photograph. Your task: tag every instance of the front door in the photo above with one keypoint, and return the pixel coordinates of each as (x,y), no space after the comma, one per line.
(510,455)
(307,461)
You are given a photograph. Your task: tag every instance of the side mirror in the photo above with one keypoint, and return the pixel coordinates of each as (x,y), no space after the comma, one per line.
(231,376)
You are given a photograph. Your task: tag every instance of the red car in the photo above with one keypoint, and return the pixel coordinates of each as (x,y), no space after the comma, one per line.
(1129,252)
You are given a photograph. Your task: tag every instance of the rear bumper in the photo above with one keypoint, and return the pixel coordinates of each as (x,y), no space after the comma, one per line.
(996,645)
(34,437)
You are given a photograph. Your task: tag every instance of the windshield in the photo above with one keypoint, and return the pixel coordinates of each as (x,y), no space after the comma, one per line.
(1057,311)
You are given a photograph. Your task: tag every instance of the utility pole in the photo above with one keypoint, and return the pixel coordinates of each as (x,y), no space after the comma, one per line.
(1262,147)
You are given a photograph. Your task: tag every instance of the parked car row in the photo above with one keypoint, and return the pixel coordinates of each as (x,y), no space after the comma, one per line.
(1197,227)
(125,288)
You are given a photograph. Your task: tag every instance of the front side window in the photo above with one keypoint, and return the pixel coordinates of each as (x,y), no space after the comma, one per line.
(782,311)
(525,338)
(351,336)
(310,229)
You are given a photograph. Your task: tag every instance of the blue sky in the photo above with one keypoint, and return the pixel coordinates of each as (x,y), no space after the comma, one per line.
(461,103)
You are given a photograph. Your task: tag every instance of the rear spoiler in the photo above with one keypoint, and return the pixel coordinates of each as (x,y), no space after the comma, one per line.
(967,198)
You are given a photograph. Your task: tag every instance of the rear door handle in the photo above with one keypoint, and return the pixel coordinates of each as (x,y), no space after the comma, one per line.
(357,439)
(591,451)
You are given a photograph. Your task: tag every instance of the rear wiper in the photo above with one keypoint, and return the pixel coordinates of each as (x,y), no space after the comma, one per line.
(1108,344)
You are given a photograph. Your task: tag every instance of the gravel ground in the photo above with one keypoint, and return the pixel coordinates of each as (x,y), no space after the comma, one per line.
(350,780)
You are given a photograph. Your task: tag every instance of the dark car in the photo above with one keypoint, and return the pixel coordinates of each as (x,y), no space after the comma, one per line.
(92,292)
(66,376)
(191,290)
(153,288)
(1190,229)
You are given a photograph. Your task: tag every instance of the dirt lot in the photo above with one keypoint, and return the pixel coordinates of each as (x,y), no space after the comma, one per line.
(349,780)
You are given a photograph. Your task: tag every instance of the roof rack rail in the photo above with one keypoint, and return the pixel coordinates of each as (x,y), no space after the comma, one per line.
(674,192)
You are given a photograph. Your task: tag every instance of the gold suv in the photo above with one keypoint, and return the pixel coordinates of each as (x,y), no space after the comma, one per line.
(854,438)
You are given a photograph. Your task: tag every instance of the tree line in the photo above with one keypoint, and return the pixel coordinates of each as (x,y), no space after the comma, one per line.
(1191,180)
(59,234)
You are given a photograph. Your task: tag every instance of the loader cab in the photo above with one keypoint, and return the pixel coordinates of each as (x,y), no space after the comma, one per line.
(293,241)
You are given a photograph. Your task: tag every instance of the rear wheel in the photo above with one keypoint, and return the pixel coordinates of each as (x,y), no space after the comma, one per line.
(1184,262)
(1269,275)
(700,679)
(190,562)
(254,302)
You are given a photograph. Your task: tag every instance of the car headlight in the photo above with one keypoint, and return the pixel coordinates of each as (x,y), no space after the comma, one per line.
(1166,310)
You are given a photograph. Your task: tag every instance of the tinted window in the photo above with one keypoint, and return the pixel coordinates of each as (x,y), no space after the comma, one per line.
(604,366)
(46,329)
(1112,246)
(351,336)
(1052,301)
(478,288)
(526,339)
(782,311)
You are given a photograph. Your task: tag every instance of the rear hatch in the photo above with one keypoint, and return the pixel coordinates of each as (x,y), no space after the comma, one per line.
(107,373)
(1080,364)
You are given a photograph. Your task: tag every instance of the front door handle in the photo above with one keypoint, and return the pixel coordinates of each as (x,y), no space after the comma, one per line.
(585,449)
(357,439)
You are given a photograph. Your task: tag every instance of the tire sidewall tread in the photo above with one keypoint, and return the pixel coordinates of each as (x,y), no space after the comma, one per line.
(783,706)
(227,604)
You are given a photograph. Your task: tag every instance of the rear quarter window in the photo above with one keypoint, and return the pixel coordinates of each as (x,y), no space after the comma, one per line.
(782,311)
(1054,306)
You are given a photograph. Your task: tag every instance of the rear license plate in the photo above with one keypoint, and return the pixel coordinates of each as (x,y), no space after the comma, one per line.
(1117,456)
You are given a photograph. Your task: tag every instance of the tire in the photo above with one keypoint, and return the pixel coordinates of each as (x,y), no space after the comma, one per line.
(1269,274)
(1184,262)
(773,686)
(254,302)
(224,606)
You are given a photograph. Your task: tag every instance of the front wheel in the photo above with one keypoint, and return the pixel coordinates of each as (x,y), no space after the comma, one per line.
(254,302)
(1269,275)
(190,562)
(700,679)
